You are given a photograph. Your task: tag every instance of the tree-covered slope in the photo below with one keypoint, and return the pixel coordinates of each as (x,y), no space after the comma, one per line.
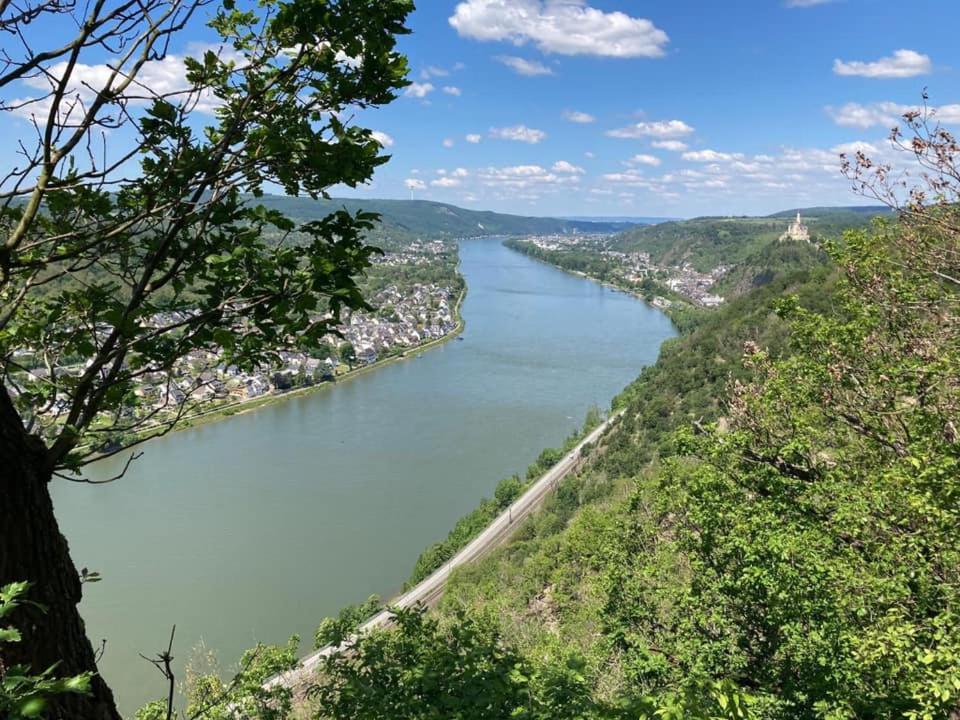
(767,532)
(433,219)
(708,242)
(770,531)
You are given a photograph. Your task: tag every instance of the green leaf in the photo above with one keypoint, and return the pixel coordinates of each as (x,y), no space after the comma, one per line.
(10,635)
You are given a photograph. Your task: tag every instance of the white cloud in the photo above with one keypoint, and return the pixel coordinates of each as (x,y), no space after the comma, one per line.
(473,138)
(724,179)
(415,184)
(660,129)
(452,90)
(522,66)
(167,77)
(634,178)
(671,145)
(520,133)
(431,71)
(564,27)
(888,114)
(562,166)
(902,64)
(460,172)
(713,184)
(448,143)
(947,114)
(526,177)
(445,182)
(589,155)
(419,90)
(382,138)
(852,148)
(644,159)
(711,156)
(578,117)
(864,116)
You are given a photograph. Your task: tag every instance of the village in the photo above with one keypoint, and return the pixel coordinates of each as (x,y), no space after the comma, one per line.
(630,269)
(406,314)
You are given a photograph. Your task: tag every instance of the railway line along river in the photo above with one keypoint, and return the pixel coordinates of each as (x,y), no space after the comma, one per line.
(256,527)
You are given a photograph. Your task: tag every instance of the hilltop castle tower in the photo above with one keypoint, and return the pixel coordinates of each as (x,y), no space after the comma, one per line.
(797,231)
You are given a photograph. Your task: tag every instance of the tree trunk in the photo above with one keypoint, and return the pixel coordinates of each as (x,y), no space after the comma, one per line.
(33,549)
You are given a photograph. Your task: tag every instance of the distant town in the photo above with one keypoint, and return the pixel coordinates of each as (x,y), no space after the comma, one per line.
(407,313)
(632,269)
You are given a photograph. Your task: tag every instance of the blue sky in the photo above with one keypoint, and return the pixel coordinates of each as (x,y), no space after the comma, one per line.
(659,107)
(751,78)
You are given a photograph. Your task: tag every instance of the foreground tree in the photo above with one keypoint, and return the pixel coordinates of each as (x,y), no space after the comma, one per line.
(130,238)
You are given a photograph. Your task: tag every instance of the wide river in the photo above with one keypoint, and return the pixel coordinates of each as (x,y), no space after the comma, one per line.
(256,527)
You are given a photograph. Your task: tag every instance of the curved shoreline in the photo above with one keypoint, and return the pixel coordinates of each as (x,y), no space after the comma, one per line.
(242,407)
(246,406)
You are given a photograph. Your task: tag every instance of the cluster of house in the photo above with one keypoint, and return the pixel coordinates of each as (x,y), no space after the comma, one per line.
(568,242)
(424,313)
(416,315)
(406,319)
(633,268)
(696,285)
(417,252)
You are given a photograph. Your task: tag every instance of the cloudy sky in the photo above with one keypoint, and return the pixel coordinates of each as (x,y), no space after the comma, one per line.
(655,107)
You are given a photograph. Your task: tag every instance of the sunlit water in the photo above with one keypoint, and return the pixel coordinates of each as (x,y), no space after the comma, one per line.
(255,528)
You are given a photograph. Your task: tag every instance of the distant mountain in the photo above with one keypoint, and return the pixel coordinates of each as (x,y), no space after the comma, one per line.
(629,219)
(433,219)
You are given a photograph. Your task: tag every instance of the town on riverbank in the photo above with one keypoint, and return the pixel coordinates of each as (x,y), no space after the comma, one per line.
(593,256)
(414,291)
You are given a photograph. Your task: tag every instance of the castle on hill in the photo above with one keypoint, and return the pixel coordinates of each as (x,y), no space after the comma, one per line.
(797,231)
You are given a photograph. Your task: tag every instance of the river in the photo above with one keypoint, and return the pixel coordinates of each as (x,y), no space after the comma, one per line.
(256,527)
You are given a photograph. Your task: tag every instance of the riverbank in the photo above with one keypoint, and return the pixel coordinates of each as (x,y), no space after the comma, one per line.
(683,313)
(429,590)
(301,508)
(242,407)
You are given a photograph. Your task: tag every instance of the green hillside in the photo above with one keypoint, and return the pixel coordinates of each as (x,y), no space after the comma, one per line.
(708,242)
(841,212)
(433,219)
(767,533)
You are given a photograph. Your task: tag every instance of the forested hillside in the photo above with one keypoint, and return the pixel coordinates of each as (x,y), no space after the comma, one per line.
(709,242)
(769,531)
(433,219)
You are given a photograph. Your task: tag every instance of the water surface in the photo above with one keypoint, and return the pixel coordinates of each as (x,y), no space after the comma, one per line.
(255,528)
